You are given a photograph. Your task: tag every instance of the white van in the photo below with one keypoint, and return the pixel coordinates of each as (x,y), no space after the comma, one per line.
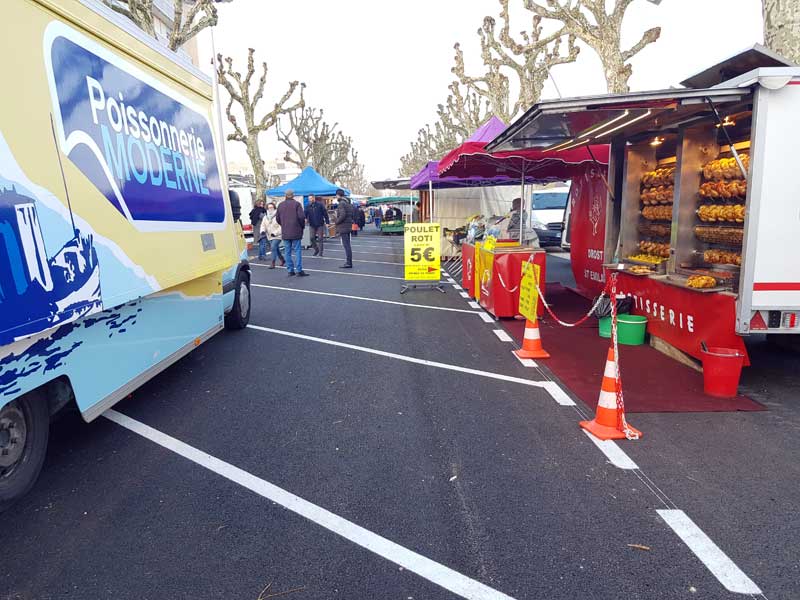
(547,213)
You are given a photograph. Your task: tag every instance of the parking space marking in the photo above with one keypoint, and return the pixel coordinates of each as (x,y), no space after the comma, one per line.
(355,260)
(346,296)
(558,394)
(254,264)
(463,294)
(474,304)
(504,337)
(426,568)
(411,359)
(614,453)
(722,567)
(526,362)
(486,318)
(365,252)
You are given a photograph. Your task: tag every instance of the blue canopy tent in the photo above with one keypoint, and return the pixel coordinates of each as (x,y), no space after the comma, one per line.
(308,183)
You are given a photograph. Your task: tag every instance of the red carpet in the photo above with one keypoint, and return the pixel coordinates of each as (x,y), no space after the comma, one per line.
(651,381)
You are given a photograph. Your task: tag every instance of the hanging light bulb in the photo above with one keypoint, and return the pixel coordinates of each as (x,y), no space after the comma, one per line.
(727,122)
(657,141)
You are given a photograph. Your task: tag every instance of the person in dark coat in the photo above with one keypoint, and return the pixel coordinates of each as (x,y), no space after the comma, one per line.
(317,217)
(292,220)
(344,226)
(256,216)
(378,217)
(362,218)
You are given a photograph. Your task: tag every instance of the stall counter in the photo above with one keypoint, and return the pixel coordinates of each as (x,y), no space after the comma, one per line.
(500,275)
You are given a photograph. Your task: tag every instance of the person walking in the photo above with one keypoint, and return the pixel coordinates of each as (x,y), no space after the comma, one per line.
(271,232)
(378,217)
(292,220)
(317,217)
(362,219)
(344,226)
(256,216)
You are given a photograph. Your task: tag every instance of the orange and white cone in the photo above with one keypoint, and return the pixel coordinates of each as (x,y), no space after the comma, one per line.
(531,342)
(608,422)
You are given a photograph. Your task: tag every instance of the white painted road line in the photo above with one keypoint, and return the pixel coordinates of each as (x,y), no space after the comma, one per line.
(526,362)
(486,317)
(464,294)
(504,337)
(474,304)
(375,262)
(557,393)
(299,291)
(439,574)
(614,453)
(343,272)
(722,567)
(547,385)
(456,286)
(365,252)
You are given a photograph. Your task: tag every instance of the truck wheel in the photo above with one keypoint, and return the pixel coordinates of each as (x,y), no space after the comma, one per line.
(239,316)
(24,429)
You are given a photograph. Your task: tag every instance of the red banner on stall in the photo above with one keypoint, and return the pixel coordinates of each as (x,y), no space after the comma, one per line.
(682,317)
(588,230)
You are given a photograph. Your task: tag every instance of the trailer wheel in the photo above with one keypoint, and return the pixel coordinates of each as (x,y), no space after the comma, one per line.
(24,430)
(239,316)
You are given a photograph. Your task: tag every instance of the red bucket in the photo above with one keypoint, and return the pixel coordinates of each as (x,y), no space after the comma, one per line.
(722,368)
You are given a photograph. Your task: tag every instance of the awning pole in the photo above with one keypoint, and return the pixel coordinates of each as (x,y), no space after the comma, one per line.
(430,200)
(522,204)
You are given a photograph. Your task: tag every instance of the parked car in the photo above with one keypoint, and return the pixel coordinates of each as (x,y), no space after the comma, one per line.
(547,214)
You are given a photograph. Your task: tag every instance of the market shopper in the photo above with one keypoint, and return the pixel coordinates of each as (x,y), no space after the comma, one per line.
(362,219)
(378,217)
(344,226)
(317,216)
(256,216)
(292,220)
(271,232)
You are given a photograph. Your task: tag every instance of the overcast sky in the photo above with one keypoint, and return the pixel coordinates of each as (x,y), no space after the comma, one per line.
(380,67)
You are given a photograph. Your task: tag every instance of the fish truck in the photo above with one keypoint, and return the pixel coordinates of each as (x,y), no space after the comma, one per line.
(121,249)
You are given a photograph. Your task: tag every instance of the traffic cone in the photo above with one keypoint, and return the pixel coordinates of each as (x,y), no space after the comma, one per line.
(607,423)
(531,342)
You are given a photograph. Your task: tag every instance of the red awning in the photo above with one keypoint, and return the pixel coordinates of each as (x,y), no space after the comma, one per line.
(471,159)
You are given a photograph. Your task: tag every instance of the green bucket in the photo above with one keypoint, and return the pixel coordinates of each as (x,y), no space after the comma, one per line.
(631,329)
(605,327)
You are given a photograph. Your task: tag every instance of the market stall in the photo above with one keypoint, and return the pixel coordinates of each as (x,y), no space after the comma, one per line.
(701,217)
(393,226)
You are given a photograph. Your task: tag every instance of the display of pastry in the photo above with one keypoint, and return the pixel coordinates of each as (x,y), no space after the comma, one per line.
(655,229)
(701,282)
(648,258)
(712,213)
(639,270)
(657,213)
(664,176)
(725,168)
(725,190)
(655,249)
(722,257)
(661,194)
(719,235)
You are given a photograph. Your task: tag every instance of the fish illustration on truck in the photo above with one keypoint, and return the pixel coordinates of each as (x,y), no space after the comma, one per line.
(121,249)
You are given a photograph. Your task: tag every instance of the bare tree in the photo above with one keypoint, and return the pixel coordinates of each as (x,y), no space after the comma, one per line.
(530,60)
(199,15)
(588,21)
(431,144)
(239,90)
(782,27)
(310,140)
(356,181)
(463,112)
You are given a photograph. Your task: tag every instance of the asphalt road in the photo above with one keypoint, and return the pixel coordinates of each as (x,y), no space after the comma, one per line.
(313,453)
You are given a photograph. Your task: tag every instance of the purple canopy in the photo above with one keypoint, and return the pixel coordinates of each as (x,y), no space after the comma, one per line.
(430,172)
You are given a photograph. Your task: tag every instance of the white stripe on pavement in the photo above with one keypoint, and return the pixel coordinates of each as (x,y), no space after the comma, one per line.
(486,317)
(437,573)
(338,249)
(474,304)
(376,262)
(550,386)
(463,294)
(504,337)
(526,362)
(299,291)
(342,272)
(722,567)
(614,453)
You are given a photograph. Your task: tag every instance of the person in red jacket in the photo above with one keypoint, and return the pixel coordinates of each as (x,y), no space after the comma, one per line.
(292,219)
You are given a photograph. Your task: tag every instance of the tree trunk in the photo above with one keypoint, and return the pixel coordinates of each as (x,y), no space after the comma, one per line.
(254,153)
(782,27)
(616,72)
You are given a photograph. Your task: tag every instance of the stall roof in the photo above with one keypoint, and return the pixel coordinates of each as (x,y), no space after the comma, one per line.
(391,200)
(430,175)
(753,58)
(308,183)
(403,183)
(563,125)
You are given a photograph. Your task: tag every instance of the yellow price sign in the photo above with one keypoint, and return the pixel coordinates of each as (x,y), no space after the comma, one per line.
(490,243)
(528,292)
(423,249)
